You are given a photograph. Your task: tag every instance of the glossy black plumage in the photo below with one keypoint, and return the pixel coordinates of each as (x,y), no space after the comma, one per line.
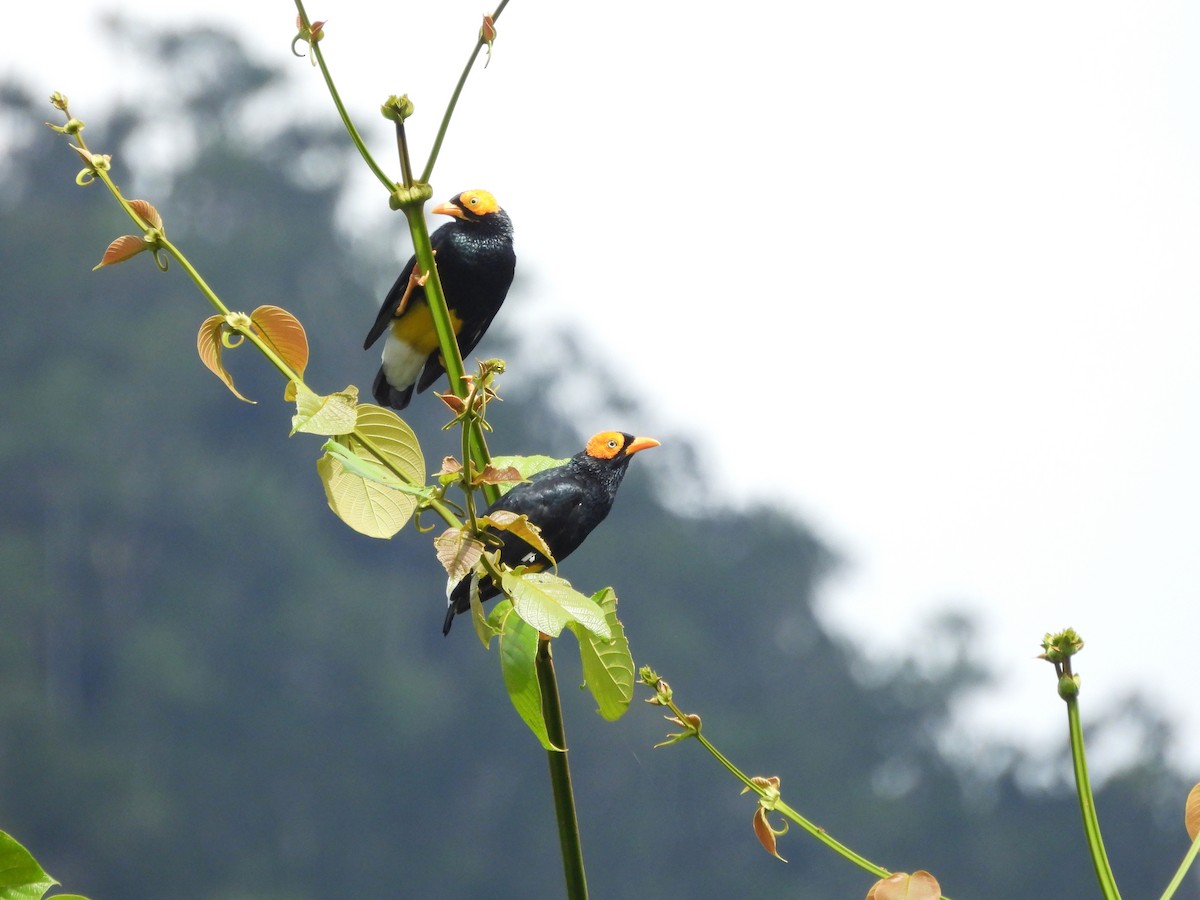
(565,502)
(475,262)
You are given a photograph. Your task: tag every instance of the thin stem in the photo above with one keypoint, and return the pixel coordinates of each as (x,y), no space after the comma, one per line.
(355,137)
(287,371)
(783,809)
(462,80)
(209,294)
(402,145)
(1182,871)
(560,775)
(778,805)
(434,295)
(1087,804)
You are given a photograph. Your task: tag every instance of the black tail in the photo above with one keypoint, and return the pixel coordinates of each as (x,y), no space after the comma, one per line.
(460,601)
(386,395)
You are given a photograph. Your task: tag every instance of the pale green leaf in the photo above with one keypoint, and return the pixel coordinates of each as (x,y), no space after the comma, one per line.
(549,603)
(486,627)
(518,662)
(356,465)
(332,414)
(21,878)
(356,484)
(607,664)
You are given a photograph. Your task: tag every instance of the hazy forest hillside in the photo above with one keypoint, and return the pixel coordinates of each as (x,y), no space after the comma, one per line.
(212,689)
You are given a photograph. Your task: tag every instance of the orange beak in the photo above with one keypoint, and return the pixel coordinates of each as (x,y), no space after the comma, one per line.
(640,443)
(447,209)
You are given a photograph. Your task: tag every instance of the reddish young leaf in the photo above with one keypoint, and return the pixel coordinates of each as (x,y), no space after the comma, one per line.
(1191,812)
(456,405)
(284,333)
(902,886)
(148,213)
(208,345)
(122,249)
(766,834)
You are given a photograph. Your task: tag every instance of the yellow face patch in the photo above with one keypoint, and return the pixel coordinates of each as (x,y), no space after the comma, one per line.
(478,202)
(605,445)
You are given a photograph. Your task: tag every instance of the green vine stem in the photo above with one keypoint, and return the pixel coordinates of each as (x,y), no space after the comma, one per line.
(314,44)
(1058,650)
(1087,805)
(664,696)
(462,80)
(1182,870)
(560,775)
(155,238)
(410,196)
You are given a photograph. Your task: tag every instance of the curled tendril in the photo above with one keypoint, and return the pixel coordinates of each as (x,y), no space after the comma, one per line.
(160,261)
(231,340)
(85,177)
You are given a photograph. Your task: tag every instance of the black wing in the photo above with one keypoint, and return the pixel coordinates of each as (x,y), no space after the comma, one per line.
(388,311)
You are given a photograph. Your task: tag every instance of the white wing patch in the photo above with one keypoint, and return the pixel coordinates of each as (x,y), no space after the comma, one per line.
(401,364)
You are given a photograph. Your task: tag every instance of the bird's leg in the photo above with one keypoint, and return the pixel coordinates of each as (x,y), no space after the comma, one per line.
(414,280)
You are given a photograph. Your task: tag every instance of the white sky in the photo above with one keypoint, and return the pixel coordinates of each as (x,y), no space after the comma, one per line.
(969,230)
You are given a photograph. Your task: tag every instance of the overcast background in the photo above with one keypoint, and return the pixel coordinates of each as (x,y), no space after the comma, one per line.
(951,248)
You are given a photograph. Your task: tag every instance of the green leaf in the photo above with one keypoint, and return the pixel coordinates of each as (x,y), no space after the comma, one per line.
(518,662)
(21,878)
(549,603)
(486,627)
(333,414)
(364,468)
(607,664)
(356,485)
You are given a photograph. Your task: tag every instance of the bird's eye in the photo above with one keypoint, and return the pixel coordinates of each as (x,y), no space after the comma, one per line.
(474,201)
(613,444)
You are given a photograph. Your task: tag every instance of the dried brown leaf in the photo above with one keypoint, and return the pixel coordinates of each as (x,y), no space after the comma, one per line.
(450,466)
(493,475)
(458,552)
